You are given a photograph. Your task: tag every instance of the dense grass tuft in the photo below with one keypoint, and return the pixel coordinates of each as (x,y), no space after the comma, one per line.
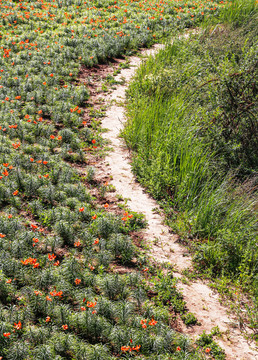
(192,126)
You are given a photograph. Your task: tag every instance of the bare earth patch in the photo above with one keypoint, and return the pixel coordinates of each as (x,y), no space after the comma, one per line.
(200,299)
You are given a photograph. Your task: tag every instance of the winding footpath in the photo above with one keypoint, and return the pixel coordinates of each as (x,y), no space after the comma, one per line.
(164,246)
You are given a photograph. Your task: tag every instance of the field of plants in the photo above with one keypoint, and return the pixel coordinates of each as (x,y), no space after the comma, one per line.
(193,126)
(59,295)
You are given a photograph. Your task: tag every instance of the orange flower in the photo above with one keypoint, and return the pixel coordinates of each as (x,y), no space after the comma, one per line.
(48,298)
(17,326)
(94,217)
(91,304)
(152,322)
(96,241)
(143,323)
(52,136)
(45,162)
(65,327)
(31,159)
(93,141)
(83,308)
(36,292)
(77,281)
(81,209)
(2,235)
(7,334)
(15,192)
(51,257)
(48,319)
(208,350)
(8,281)
(56,263)
(178,348)
(106,205)
(77,244)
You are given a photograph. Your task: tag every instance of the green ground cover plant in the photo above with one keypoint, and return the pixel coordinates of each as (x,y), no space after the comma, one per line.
(195,144)
(59,297)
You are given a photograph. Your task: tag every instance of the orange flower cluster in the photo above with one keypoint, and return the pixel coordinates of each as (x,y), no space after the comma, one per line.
(36,292)
(51,257)
(17,326)
(16,145)
(6,335)
(76,109)
(151,323)
(127,216)
(54,293)
(91,304)
(30,261)
(129,348)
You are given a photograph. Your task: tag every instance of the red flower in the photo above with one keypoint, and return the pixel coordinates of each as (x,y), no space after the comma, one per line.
(65,327)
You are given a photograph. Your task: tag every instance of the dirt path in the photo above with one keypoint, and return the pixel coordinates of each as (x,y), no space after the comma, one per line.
(200,299)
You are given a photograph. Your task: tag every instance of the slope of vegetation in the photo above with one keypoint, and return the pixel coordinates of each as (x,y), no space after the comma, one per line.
(59,298)
(193,128)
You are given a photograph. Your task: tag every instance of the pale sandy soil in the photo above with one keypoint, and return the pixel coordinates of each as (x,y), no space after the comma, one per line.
(200,299)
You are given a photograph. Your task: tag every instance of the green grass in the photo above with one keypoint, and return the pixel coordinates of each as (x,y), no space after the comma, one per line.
(192,126)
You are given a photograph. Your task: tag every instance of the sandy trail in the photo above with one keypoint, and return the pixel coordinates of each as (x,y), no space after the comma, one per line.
(200,299)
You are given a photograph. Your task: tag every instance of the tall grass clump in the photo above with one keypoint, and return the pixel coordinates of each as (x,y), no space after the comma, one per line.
(192,125)
(238,12)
